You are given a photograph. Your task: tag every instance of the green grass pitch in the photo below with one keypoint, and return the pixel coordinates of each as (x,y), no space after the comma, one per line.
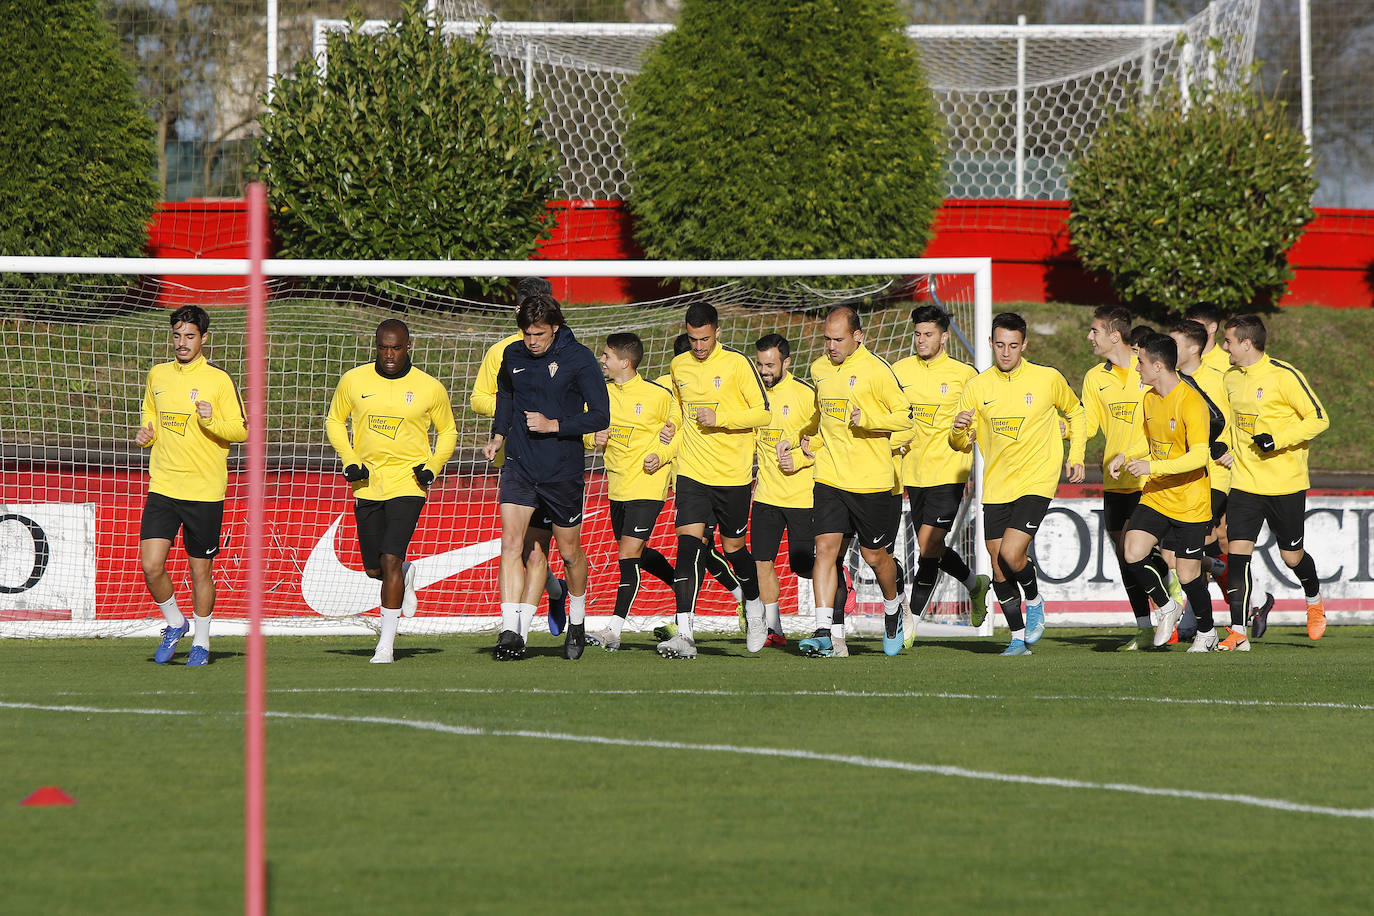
(944,780)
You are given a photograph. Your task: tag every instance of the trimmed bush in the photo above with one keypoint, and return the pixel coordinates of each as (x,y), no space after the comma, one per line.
(78,163)
(1193,196)
(784,129)
(410,147)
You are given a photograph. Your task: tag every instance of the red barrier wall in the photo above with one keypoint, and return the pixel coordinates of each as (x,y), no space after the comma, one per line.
(1033,259)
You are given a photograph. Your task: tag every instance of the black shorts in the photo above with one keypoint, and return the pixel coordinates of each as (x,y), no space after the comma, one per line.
(936,506)
(1184,538)
(868,515)
(1286,515)
(199,522)
(767,525)
(385,526)
(1218,506)
(634,517)
(555,503)
(725,507)
(1024,514)
(1117,508)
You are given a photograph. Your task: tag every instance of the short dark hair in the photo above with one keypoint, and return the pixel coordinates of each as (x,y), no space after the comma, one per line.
(532,286)
(191,314)
(393,324)
(1115,318)
(774,342)
(1139,334)
(681,344)
(1192,330)
(1251,328)
(1205,312)
(1010,321)
(933,314)
(849,314)
(1161,348)
(702,314)
(627,346)
(539,310)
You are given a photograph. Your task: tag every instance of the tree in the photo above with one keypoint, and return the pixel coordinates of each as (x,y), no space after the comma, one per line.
(784,129)
(1193,196)
(78,174)
(409,147)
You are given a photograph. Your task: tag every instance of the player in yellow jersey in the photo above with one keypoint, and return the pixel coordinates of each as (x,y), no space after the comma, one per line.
(934,474)
(712,561)
(783,492)
(1175,507)
(390,406)
(861,406)
(1012,410)
(538,576)
(1277,415)
(191,415)
(1210,317)
(723,402)
(1111,395)
(637,472)
(1191,337)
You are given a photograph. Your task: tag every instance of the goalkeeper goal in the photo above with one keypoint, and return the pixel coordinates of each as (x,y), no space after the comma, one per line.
(79,345)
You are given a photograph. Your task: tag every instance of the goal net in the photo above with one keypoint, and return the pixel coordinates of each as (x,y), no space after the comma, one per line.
(77,354)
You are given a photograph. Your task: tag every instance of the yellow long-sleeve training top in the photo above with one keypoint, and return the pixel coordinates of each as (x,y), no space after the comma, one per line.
(190,453)
(933,387)
(1177,431)
(483,397)
(1017,423)
(1213,382)
(792,409)
(391,419)
(858,458)
(726,381)
(1272,397)
(639,411)
(1111,403)
(1217,358)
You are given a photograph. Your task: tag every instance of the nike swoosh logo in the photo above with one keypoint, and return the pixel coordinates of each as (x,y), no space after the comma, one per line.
(986,403)
(331,589)
(1104,387)
(1031,527)
(156,393)
(944,521)
(641,529)
(366,396)
(516,371)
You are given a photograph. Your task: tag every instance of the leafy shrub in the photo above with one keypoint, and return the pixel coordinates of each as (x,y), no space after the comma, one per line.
(411,146)
(78,164)
(1193,196)
(784,129)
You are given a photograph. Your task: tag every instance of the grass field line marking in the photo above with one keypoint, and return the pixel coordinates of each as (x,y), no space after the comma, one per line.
(1275,804)
(842,694)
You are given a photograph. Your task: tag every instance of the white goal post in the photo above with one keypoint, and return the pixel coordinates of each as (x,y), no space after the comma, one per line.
(72,472)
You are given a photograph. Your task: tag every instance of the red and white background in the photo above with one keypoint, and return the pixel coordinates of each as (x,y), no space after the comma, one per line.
(72,566)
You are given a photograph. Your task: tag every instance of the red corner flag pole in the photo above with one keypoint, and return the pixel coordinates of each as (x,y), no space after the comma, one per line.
(254,688)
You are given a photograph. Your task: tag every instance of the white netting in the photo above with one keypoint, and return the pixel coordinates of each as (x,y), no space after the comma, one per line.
(1018,100)
(72,483)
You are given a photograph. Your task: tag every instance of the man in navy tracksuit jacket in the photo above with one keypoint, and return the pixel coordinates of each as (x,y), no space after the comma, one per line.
(550,391)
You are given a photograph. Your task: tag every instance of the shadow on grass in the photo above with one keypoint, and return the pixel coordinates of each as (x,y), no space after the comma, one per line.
(398,653)
(976,646)
(1097,642)
(180,658)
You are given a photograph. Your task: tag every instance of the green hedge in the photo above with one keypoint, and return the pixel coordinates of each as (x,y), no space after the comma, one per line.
(1193,196)
(784,129)
(410,147)
(78,165)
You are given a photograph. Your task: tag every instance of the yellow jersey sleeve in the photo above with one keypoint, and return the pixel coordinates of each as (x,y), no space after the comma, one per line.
(483,398)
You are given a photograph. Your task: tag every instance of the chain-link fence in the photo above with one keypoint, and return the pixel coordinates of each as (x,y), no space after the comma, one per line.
(1017,101)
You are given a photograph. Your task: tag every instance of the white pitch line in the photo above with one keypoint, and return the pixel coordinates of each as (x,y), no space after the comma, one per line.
(1274,804)
(839,694)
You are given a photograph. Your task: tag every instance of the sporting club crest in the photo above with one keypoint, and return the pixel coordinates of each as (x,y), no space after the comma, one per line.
(853,380)
(1259,393)
(639,409)
(195,393)
(553,369)
(944,388)
(1029,398)
(716,381)
(410,397)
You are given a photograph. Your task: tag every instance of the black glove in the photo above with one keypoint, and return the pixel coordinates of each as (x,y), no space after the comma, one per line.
(1264,441)
(424,475)
(1218,449)
(355,472)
